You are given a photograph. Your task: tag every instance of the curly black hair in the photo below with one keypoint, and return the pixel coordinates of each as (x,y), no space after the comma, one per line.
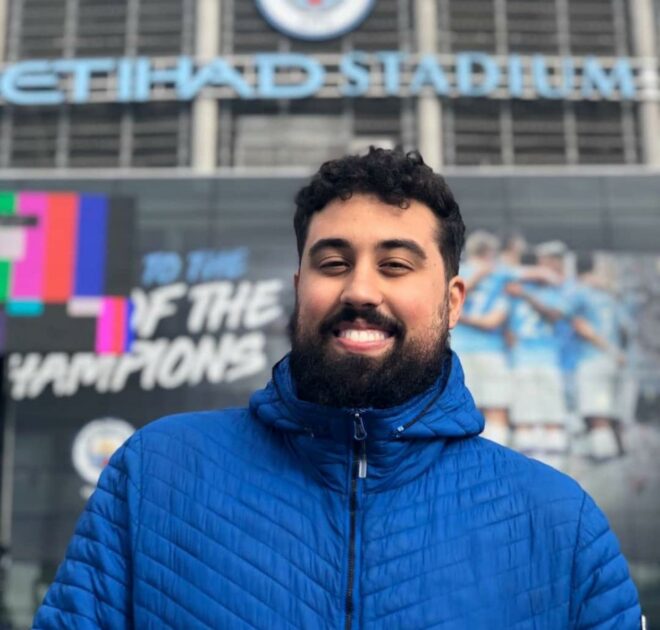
(395,178)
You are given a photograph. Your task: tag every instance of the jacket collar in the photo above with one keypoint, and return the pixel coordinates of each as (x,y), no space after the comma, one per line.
(400,438)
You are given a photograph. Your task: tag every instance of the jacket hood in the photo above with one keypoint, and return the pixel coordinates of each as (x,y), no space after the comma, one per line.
(444,411)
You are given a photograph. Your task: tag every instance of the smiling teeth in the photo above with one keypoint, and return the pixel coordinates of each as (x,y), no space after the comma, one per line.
(363,335)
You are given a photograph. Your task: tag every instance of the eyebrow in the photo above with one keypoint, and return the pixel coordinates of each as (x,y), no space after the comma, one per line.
(328,243)
(403,243)
(393,243)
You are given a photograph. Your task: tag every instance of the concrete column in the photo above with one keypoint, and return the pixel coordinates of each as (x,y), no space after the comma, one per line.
(429,107)
(4,26)
(205,111)
(643,28)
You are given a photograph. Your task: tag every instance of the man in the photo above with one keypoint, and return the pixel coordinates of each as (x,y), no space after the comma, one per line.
(354,491)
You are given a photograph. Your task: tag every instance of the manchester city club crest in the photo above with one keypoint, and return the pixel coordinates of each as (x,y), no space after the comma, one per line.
(315,20)
(94,445)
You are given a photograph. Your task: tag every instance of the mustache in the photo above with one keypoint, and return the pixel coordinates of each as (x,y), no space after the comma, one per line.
(371,316)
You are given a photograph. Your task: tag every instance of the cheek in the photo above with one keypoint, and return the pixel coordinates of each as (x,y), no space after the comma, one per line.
(314,301)
(420,310)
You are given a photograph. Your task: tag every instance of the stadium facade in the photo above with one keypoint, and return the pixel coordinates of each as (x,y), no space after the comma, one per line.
(197,120)
(470,82)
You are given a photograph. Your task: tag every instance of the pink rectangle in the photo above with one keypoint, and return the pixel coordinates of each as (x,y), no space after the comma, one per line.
(104,327)
(28,276)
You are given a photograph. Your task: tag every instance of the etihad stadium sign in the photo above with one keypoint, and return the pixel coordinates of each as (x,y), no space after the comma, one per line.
(355,74)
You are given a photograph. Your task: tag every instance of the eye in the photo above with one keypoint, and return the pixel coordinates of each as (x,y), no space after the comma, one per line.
(396,267)
(333,266)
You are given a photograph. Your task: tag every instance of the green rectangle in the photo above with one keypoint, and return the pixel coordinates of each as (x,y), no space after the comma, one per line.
(7,202)
(7,207)
(5,274)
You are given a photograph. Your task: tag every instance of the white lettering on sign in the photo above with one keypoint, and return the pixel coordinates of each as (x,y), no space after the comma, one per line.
(223,342)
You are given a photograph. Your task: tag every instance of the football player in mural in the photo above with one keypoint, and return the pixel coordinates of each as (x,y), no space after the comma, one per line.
(479,337)
(354,490)
(538,410)
(601,326)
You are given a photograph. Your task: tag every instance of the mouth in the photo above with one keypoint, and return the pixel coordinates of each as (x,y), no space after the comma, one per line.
(359,336)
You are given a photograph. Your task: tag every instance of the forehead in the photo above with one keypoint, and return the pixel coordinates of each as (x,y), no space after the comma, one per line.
(364,221)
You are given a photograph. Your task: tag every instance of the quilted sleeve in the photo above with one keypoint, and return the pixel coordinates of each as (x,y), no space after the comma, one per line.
(92,588)
(604,596)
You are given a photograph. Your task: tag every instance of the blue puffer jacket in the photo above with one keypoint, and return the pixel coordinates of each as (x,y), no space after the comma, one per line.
(292,515)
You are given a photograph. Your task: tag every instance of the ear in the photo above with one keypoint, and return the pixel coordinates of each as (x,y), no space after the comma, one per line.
(455,296)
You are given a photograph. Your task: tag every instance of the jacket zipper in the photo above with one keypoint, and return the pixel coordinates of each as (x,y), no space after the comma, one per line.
(359,471)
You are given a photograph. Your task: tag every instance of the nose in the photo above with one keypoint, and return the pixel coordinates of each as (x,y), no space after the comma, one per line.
(362,288)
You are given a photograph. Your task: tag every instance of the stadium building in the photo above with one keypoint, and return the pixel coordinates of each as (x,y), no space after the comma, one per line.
(526,101)
(168,138)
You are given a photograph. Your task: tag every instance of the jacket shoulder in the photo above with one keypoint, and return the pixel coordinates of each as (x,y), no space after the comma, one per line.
(541,486)
(215,424)
(178,422)
(205,440)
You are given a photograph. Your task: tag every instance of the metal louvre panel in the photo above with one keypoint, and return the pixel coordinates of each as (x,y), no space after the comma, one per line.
(157,131)
(94,136)
(538,132)
(250,32)
(163,26)
(592,30)
(303,133)
(101,28)
(532,26)
(41,28)
(635,134)
(471,25)
(34,137)
(380,31)
(380,118)
(477,135)
(307,135)
(230,129)
(599,133)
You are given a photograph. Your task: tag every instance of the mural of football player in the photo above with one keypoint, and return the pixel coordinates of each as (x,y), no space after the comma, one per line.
(600,324)
(538,411)
(479,337)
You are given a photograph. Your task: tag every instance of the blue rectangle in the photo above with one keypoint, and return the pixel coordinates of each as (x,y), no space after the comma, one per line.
(25,309)
(91,248)
(130,335)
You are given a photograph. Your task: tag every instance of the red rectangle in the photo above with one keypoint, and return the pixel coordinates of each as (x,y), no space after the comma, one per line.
(61,241)
(119,325)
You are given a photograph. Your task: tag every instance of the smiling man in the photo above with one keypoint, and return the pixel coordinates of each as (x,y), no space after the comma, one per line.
(354,491)
(374,305)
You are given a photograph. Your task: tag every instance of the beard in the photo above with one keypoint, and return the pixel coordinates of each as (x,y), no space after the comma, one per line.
(327,377)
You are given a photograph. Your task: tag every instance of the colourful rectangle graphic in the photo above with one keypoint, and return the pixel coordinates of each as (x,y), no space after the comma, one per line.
(68,254)
(7,207)
(91,249)
(25,308)
(61,241)
(28,276)
(12,243)
(112,335)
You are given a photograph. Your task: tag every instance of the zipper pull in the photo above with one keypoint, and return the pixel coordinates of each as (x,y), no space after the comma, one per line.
(359,432)
(360,435)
